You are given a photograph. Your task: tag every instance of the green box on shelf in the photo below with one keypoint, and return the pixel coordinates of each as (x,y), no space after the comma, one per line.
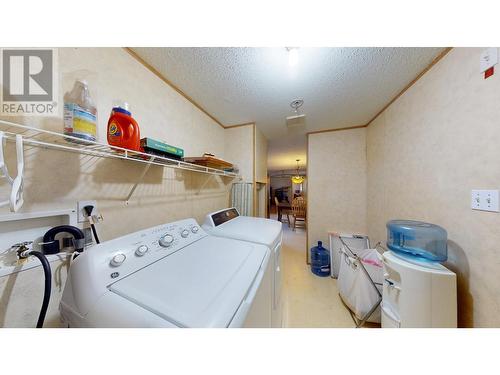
(158,147)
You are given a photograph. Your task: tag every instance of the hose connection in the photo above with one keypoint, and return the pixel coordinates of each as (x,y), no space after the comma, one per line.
(23,249)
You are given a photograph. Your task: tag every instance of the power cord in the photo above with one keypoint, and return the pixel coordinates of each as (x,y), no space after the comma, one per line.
(88,210)
(23,252)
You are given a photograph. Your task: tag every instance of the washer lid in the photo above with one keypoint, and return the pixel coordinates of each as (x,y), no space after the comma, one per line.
(253,229)
(201,285)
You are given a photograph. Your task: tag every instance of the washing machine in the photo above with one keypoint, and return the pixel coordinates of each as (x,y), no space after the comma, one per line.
(172,275)
(228,223)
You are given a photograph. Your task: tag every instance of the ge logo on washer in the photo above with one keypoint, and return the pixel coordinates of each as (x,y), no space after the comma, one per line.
(114,275)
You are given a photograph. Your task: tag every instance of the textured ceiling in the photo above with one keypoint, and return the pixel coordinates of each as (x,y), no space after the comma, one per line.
(340,86)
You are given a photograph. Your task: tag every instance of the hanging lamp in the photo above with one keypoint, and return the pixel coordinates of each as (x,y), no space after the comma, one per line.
(298,179)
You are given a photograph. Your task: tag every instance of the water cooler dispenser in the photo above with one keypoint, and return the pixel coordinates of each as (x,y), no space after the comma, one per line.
(418,290)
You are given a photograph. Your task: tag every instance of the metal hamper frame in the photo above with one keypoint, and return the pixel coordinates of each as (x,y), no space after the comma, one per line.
(360,322)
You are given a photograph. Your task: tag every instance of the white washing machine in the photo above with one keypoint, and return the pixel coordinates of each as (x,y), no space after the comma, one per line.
(229,224)
(172,275)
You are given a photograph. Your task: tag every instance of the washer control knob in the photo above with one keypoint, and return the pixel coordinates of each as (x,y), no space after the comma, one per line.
(141,250)
(166,240)
(184,233)
(118,259)
(195,229)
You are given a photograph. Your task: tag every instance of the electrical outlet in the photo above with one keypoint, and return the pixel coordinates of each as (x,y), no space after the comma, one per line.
(484,200)
(489,58)
(82,216)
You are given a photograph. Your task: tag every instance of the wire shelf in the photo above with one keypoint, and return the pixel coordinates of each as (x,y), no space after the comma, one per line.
(53,140)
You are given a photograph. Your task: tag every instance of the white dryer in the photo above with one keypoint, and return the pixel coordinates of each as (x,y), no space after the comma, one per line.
(172,275)
(229,224)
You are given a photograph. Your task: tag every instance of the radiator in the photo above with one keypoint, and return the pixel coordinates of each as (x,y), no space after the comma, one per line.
(242,197)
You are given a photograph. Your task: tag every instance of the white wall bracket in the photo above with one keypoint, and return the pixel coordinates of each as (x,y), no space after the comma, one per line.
(209,177)
(141,177)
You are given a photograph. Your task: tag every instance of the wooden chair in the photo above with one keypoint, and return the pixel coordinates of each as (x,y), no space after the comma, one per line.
(282,211)
(299,208)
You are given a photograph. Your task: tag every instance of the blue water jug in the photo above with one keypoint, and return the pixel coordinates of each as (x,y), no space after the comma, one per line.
(424,240)
(320,260)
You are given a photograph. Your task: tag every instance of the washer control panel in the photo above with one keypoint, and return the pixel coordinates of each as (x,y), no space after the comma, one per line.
(122,256)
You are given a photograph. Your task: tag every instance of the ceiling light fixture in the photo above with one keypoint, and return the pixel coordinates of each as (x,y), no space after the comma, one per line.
(296,104)
(296,119)
(298,179)
(293,56)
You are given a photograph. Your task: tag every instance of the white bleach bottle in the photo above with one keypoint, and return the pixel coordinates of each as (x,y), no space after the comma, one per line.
(80,113)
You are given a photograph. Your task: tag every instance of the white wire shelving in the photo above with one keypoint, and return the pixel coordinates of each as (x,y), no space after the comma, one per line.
(53,140)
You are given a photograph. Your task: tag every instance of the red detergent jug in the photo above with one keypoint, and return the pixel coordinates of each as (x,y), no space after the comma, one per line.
(123,130)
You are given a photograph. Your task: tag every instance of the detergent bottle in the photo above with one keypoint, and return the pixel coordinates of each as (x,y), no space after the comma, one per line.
(123,130)
(80,113)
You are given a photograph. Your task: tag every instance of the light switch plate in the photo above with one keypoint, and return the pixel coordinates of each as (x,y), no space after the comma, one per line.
(484,200)
(489,58)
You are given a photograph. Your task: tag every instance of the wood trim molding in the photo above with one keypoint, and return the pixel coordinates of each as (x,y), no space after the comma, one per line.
(239,125)
(191,100)
(336,130)
(434,62)
(308,259)
(254,146)
(268,184)
(164,79)
(420,75)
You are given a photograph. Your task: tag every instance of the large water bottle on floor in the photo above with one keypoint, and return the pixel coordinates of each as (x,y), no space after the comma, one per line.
(320,260)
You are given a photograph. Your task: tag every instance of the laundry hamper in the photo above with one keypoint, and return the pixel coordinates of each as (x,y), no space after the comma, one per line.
(354,241)
(360,283)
